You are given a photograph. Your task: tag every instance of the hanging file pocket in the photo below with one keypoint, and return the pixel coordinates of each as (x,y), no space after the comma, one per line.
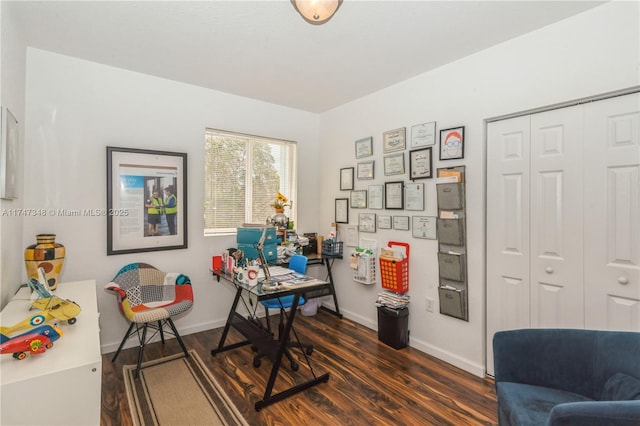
(450,196)
(452,266)
(452,302)
(451,231)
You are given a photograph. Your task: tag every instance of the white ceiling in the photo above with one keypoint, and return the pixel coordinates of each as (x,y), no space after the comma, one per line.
(265,50)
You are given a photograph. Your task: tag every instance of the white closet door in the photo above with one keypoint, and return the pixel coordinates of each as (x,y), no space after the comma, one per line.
(557,289)
(612,213)
(507,228)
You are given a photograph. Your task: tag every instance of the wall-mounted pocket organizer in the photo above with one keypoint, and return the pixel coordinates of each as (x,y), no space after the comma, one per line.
(364,266)
(394,270)
(451,231)
(452,244)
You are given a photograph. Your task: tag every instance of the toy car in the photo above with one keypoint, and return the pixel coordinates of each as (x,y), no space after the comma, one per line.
(34,341)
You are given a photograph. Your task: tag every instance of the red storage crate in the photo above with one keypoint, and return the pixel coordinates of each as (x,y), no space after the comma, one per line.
(395,273)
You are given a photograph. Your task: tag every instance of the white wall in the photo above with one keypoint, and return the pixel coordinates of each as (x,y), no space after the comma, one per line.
(593,53)
(76,108)
(12,89)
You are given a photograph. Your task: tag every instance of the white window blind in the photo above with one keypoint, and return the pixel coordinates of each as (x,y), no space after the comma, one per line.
(243,174)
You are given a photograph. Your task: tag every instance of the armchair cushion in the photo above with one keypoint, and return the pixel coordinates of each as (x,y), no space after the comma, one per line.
(525,404)
(596,413)
(621,387)
(147,294)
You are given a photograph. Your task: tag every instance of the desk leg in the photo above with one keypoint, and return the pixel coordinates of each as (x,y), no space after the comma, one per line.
(268,399)
(227,326)
(333,291)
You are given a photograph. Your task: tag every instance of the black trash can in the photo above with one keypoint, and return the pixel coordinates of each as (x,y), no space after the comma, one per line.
(393,326)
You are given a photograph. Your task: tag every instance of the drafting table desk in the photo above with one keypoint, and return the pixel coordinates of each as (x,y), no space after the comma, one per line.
(265,342)
(326,259)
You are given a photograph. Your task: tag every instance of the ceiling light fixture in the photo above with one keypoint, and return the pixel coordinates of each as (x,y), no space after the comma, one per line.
(316,12)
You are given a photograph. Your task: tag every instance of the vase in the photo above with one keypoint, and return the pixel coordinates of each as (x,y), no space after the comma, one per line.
(46,254)
(279,211)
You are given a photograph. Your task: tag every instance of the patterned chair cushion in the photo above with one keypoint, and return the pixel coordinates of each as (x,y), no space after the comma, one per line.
(147,294)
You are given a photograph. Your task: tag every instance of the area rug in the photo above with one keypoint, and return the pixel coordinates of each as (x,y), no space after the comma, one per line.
(178,391)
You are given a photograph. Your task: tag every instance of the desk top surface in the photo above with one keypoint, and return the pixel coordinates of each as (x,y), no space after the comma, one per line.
(287,284)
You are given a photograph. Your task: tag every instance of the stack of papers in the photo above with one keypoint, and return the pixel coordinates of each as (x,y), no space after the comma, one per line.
(275,271)
(392,300)
(294,279)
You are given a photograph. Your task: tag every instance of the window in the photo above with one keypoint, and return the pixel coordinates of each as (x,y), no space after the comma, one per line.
(243,174)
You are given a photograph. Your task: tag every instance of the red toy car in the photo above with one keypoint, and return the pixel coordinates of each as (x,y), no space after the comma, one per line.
(35,341)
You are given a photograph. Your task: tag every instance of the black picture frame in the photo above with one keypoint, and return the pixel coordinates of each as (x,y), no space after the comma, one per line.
(346,179)
(394,195)
(342,210)
(452,143)
(133,175)
(421,163)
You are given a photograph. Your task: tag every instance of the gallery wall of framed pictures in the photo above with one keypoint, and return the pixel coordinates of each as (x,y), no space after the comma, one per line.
(396,197)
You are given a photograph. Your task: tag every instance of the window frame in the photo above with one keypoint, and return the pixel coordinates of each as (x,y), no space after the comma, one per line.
(291,170)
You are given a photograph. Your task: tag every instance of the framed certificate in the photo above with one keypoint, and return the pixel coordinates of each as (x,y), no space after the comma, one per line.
(342,210)
(401,223)
(346,179)
(424,227)
(452,143)
(394,164)
(365,170)
(367,222)
(359,199)
(364,147)
(414,196)
(393,195)
(420,163)
(352,235)
(423,134)
(384,222)
(394,140)
(375,197)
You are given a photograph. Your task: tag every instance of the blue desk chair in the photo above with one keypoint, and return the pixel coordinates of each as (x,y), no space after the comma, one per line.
(297,263)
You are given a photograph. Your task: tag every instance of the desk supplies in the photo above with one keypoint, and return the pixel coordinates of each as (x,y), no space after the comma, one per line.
(363,263)
(332,248)
(394,267)
(249,237)
(392,300)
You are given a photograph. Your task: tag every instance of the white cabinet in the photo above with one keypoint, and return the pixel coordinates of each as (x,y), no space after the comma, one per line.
(61,386)
(563,219)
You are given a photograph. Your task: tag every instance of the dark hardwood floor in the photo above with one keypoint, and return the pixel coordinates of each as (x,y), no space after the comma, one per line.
(370,383)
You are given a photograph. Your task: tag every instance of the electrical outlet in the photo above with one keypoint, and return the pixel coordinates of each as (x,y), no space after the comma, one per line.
(429,305)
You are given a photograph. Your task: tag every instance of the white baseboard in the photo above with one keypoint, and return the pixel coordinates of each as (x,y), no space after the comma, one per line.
(106,348)
(448,357)
(462,363)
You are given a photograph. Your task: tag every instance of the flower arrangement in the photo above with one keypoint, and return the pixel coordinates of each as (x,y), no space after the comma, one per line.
(281,201)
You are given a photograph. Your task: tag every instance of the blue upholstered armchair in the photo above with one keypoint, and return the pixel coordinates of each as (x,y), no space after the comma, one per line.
(567,377)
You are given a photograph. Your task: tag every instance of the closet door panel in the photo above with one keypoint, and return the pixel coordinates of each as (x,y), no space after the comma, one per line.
(612,213)
(507,228)
(556,218)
